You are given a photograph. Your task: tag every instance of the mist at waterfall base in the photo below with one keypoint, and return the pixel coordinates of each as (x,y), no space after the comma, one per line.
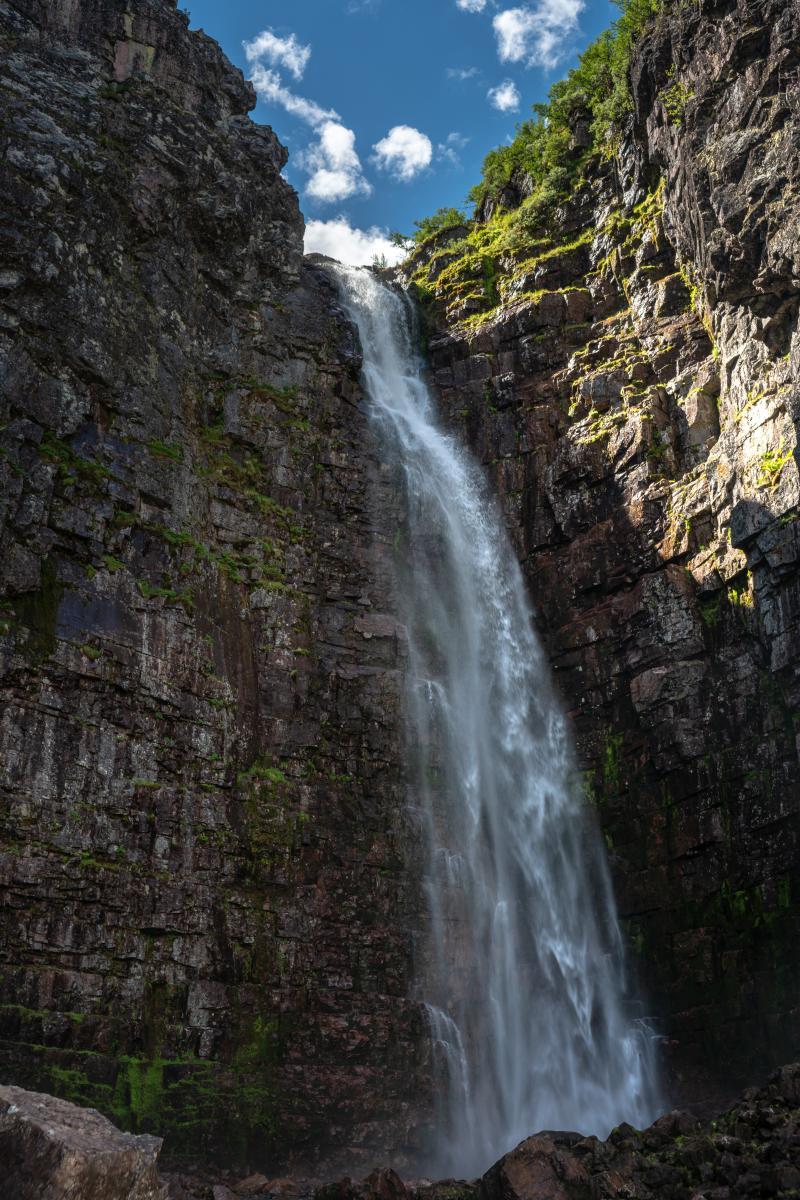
(522,972)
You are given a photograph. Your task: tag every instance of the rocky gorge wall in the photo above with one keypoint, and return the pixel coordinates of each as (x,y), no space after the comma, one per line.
(207,896)
(207,877)
(630,380)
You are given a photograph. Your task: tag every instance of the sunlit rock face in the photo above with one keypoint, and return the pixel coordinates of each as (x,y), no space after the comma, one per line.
(631,384)
(205,876)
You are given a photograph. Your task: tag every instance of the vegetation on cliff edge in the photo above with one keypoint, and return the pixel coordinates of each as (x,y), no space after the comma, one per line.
(469,267)
(545,154)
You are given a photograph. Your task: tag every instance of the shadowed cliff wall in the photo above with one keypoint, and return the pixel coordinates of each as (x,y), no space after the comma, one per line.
(207,888)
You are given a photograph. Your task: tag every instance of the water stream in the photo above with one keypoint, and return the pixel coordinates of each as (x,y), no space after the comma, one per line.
(522,971)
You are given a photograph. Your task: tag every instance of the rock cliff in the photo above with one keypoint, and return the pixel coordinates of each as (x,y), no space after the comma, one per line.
(207,878)
(206,881)
(629,376)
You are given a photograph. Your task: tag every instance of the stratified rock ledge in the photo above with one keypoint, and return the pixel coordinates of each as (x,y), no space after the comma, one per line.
(53,1150)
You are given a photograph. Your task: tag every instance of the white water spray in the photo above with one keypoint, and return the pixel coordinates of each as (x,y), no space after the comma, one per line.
(522,976)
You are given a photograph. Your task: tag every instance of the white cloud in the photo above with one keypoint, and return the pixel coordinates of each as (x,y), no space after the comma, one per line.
(333,165)
(471,5)
(270,87)
(338,239)
(536,36)
(462,73)
(504,97)
(284,52)
(447,151)
(404,151)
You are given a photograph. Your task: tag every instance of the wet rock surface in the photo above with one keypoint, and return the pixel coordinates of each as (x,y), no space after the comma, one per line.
(52,1150)
(753,1149)
(631,384)
(207,882)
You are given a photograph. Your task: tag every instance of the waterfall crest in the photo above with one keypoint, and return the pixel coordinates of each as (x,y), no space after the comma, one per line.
(522,974)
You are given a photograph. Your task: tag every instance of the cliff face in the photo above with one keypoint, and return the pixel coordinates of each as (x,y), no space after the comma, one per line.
(208,884)
(631,383)
(205,878)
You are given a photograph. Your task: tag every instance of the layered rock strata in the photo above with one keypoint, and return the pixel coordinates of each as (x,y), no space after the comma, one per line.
(205,875)
(630,380)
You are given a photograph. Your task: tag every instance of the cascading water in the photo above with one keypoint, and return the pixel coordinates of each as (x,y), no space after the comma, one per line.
(522,976)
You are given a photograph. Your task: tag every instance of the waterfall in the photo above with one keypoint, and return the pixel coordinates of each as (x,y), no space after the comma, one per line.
(522,974)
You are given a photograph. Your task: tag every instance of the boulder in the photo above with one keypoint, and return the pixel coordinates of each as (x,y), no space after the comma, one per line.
(53,1150)
(540,1168)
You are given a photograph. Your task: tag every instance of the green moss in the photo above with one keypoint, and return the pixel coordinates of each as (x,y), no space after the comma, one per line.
(38,611)
(72,467)
(123,520)
(675,98)
(612,761)
(742,595)
(150,591)
(257,387)
(710,611)
(145,1089)
(261,772)
(168,450)
(41,1014)
(771,467)
(75,1085)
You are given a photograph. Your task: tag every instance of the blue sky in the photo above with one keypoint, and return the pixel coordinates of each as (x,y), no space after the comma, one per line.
(389,106)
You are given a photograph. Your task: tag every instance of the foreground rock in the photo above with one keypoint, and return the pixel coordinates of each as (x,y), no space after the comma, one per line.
(752,1150)
(52,1150)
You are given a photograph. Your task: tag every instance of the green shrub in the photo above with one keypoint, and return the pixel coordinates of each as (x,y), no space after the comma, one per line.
(443,218)
(597,87)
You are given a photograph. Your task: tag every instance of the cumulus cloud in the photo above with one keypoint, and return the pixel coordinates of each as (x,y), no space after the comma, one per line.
(331,162)
(462,73)
(471,5)
(333,166)
(277,51)
(357,247)
(536,35)
(404,151)
(504,97)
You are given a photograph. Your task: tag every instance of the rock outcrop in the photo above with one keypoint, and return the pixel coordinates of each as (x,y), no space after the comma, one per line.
(753,1149)
(52,1150)
(630,380)
(206,882)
